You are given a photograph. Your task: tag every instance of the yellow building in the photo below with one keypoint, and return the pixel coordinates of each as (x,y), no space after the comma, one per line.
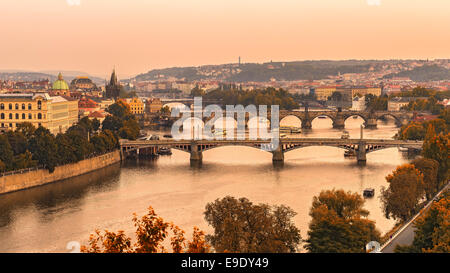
(136,106)
(40,109)
(323,92)
(364,90)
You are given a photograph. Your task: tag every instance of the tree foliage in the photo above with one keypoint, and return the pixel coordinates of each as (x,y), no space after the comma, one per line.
(406,189)
(338,223)
(122,123)
(268,96)
(243,227)
(151,233)
(432,229)
(437,147)
(429,168)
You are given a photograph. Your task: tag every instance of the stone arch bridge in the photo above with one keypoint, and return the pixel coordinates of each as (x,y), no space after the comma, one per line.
(338,118)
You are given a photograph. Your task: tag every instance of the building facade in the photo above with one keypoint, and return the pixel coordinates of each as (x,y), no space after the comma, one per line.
(324,92)
(136,106)
(153,105)
(56,113)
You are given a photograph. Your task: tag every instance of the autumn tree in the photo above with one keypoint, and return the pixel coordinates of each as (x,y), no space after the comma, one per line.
(437,147)
(121,121)
(151,233)
(432,232)
(339,223)
(406,189)
(241,226)
(429,168)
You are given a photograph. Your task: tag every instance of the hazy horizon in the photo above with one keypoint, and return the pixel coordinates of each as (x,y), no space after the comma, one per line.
(93,36)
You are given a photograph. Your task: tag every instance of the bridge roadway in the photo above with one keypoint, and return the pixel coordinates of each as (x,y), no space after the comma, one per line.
(358,147)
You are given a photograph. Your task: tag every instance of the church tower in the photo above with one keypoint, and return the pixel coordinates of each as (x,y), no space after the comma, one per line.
(113,88)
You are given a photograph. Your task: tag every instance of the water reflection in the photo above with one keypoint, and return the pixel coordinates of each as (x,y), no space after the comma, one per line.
(45,218)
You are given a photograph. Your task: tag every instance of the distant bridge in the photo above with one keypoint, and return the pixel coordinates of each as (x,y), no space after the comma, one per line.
(360,147)
(338,117)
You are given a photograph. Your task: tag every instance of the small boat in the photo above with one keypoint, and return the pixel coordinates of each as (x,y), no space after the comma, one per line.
(168,136)
(369,192)
(296,130)
(349,153)
(345,135)
(283,135)
(402,149)
(164,151)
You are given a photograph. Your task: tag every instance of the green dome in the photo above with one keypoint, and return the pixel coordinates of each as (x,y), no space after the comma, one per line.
(60,84)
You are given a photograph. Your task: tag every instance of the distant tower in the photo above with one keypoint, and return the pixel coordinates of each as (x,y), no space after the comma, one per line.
(239,60)
(113,88)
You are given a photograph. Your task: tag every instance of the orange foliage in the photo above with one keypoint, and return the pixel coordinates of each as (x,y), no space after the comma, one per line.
(151,231)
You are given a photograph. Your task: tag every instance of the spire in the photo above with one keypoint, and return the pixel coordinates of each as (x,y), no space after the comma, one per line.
(60,77)
(113,80)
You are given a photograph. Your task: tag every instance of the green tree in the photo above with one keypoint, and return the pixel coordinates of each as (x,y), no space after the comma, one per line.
(66,151)
(197,92)
(338,223)
(6,153)
(44,148)
(18,141)
(241,226)
(95,124)
(406,189)
(24,161)
(429,168)
(26,128)
(2,166)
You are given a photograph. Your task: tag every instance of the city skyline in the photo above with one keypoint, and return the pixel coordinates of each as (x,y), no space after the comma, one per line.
(136,36)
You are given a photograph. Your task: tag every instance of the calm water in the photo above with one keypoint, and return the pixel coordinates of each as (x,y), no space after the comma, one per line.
(46,218)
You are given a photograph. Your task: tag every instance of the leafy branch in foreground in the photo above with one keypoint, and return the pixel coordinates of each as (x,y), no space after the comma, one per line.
(151,232)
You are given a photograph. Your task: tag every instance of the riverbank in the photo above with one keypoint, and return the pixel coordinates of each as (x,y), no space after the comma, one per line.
(21,181)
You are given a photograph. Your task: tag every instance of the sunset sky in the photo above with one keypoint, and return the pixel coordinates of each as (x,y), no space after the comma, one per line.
(138,35)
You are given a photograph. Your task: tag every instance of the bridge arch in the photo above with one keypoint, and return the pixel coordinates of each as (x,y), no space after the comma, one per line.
(342,147)
(398,120)
(347,116)
(291,120)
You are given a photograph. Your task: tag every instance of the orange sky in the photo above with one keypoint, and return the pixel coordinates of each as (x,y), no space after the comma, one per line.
(139,35)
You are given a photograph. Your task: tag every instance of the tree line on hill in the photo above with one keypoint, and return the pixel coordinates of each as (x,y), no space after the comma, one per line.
(29,147)
(269,96)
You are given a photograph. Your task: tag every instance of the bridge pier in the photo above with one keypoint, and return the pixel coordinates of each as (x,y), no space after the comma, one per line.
(196,153)
(371,123)
(278,155)
(306,124)
(361,152)
(339,123)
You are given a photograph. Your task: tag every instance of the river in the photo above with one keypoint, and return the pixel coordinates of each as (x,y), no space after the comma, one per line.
(46,218)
